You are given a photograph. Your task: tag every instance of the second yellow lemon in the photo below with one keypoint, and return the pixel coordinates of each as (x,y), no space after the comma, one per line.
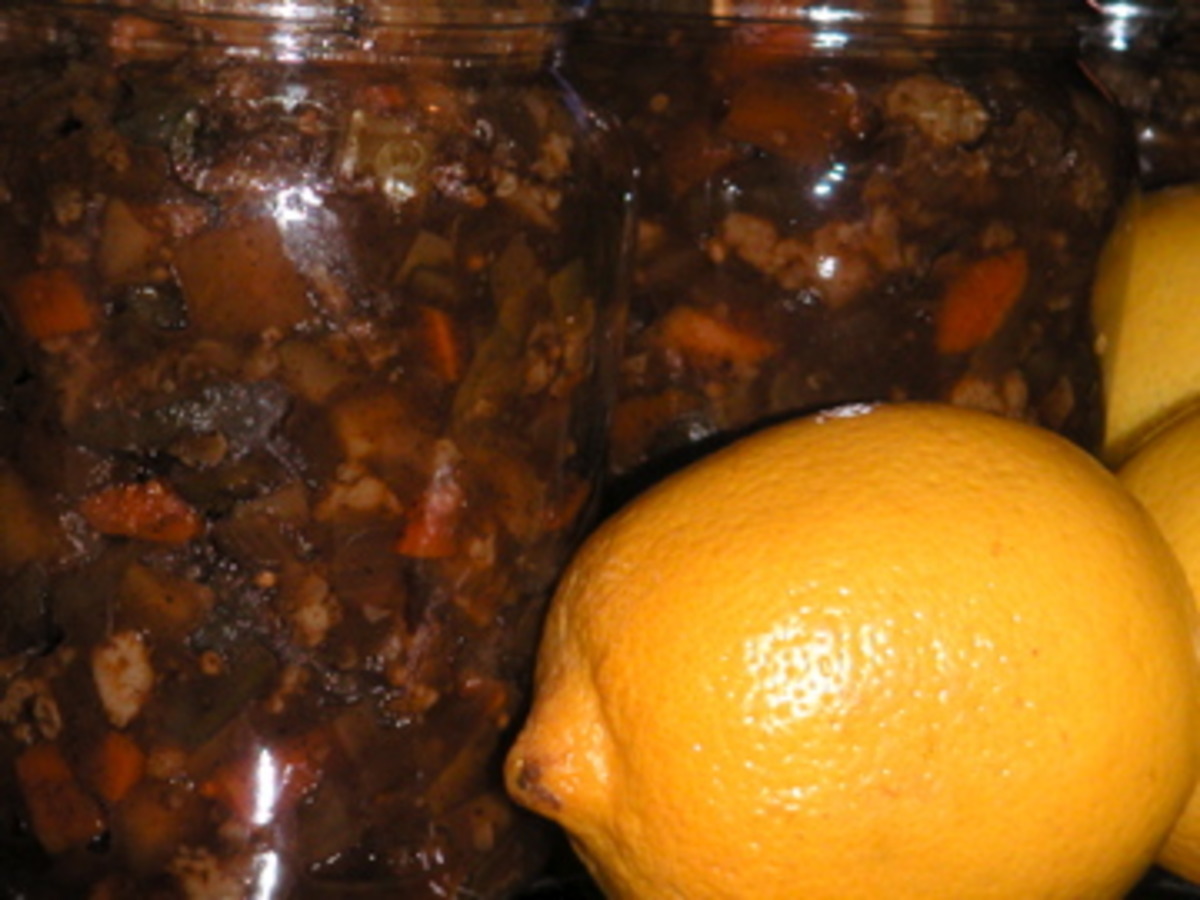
(907,651)
(1146,296)
(1165,475)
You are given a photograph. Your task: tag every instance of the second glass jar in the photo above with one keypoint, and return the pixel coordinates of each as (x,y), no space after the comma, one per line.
(854,202)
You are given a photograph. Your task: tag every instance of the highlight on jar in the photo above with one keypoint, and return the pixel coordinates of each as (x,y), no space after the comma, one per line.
(304,332)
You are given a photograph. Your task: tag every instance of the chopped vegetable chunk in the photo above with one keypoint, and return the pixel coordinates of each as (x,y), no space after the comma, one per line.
(51,303)
(63,815)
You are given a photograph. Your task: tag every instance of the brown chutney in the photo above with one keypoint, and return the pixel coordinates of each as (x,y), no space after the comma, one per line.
(853,202)
(304,317)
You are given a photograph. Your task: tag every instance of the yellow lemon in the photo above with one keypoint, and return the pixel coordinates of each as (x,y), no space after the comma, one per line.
(1165,475)
(905,651)
(1146,306)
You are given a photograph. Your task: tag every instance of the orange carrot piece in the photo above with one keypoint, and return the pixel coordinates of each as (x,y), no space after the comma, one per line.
(63,815)
(150,511)
(443,343)
(700,335)
(117,764)
(51,303)
(798,122)
(431,531)
(979,299)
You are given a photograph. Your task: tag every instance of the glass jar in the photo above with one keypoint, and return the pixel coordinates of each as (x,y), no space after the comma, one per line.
(305,312)
(1147,54)
(853,202)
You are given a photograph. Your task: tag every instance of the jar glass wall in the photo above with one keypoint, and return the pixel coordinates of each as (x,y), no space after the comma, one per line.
(854,202)
(303,323)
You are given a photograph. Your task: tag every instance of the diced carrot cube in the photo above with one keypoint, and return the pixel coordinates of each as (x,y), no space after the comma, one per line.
(114,766)
(63,816)
(978,300)
(700,335)
(51,303)
(149,510)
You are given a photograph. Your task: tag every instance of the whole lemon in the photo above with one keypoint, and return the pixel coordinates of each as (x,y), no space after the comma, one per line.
(906,651)
(1145,302)
(1164,474)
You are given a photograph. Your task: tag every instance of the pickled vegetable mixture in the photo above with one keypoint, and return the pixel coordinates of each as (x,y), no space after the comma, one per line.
(885,221)
(298,419)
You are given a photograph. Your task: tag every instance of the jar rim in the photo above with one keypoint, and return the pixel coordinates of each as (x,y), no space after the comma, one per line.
(951,14)
(496,13)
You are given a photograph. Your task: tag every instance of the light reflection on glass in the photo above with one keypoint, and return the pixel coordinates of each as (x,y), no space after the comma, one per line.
(828,182)
(266,787)
(826,14)
(831,40)
(1120,23)
(294,205)
(266,884)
